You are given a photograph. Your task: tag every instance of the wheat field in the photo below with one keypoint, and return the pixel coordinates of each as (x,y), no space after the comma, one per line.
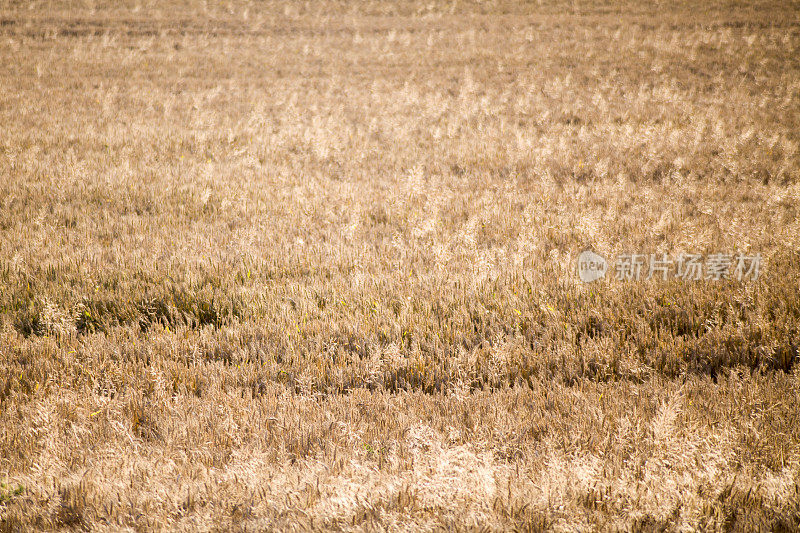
(281,265)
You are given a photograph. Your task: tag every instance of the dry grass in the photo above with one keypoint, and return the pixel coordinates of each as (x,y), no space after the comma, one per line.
(283,265)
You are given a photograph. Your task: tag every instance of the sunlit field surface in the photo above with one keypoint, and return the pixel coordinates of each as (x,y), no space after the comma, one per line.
(276,265)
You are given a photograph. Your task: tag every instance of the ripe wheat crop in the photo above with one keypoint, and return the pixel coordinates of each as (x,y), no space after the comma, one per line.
(277,265)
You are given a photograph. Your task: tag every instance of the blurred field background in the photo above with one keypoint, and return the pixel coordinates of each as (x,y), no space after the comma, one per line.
(311,265)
